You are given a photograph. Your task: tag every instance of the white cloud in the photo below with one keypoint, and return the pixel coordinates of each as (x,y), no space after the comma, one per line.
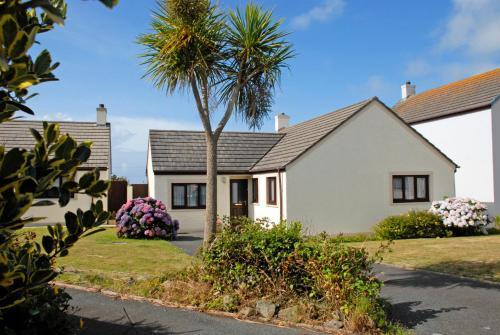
(474,26)
(417,68)
(131,134)
(319,13)
(375,85)
(56,117)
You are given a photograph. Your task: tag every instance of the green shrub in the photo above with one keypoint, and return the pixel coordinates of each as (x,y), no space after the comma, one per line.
(414,224)
(256,259)
(26,266)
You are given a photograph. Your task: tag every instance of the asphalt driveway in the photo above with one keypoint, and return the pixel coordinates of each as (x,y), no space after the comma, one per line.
(105,316)
(433,303)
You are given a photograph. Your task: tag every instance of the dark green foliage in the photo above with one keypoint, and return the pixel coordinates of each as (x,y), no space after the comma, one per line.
(414,224)
(279,260)
(28,304)
(44,314)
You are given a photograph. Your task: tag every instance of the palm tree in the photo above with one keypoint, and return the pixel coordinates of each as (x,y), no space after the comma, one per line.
(230,62)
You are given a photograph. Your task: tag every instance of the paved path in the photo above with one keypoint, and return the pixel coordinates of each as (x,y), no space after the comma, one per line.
(434,303)
(105,316)
(189,242)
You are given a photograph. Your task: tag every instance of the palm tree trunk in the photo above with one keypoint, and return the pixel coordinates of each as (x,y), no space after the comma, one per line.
(211,195)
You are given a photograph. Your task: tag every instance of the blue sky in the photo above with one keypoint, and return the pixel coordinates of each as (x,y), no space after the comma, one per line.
(346,51)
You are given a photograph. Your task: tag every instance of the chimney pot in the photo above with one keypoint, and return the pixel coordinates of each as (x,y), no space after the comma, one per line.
(101,116)
(407,90)
(281,121)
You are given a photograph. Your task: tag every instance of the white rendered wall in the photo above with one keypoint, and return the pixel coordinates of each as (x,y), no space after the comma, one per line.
(467,140)
(344,183)
(192,220)
(261,209)
(55,213)
(150,174)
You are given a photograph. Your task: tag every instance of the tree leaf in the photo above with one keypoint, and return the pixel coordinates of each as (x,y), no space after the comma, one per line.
(12,163)
(48,243)
(88,219)
(9,29)
(42,63)
(71,222)
(19,106)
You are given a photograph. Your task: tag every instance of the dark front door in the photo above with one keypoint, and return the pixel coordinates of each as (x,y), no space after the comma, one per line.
(239,197)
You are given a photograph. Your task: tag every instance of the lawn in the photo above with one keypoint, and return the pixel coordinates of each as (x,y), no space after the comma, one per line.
(124,265)
(475,257)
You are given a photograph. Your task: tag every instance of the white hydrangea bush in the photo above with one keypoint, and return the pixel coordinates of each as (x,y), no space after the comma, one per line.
(461,212)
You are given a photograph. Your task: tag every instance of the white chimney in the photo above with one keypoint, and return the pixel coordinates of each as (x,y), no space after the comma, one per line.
(407,90)
(101,118)
(281,121)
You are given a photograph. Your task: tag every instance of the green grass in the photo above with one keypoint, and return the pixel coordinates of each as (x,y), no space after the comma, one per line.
(475,257)
(124,265)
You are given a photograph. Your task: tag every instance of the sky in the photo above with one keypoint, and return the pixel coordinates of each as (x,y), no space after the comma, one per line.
(346,51)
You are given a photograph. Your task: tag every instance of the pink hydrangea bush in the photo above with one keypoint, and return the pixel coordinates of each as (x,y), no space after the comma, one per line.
(145,218)
(461,213)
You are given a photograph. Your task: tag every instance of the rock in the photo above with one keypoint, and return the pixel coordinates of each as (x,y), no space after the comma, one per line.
(247,312)
(338,316)
(334,324)
(290,314)
(266,309)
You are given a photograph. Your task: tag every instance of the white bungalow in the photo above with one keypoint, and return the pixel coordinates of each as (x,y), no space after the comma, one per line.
(340,172)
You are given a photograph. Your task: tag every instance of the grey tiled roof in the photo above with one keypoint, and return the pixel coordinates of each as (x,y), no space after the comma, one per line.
(185,151)
(17,134)
(300,137)
(473,93)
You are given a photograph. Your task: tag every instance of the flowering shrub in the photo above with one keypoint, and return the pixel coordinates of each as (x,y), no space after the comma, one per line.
(461,212)
(145,218)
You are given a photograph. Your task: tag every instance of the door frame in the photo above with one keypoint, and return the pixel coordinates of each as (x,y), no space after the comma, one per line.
(239,181)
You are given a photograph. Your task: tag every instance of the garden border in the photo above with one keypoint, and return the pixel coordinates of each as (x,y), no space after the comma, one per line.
(158,302)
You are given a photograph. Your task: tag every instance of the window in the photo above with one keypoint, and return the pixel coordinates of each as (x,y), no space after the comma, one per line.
(271,190)
(255,190)
(53,192)
(188,196)
(410,188)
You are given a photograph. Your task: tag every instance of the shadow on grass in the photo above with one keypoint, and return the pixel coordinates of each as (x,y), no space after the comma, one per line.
(415,278)
(408,314)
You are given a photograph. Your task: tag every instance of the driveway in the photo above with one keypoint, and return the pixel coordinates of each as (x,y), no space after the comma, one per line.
(105,316)
(434,303)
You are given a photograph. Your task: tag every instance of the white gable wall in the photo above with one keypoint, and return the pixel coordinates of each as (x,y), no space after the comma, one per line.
(467,140)
(344,183)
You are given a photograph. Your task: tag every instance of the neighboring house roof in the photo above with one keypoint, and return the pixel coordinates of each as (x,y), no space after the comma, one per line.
(470,94)
(185,151)
(300,137)
(17,134)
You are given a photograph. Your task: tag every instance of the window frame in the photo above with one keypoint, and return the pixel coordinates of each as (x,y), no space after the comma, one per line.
(268,188)
(255,190)
(403,187)
(53,192)
(198,196)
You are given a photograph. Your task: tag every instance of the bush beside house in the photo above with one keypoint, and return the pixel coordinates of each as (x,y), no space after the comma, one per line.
(277,271)
(145,218)
(414,224)
(448,217)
